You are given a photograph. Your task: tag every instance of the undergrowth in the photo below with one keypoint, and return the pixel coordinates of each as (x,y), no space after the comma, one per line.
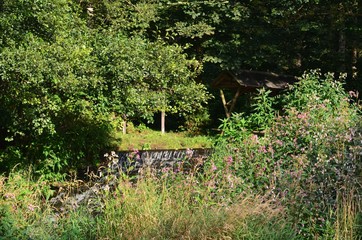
(174,206)
(295,176)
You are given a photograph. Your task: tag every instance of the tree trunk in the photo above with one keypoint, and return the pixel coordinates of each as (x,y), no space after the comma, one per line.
(342,50)
(124,127)
(224,103)
(163,122)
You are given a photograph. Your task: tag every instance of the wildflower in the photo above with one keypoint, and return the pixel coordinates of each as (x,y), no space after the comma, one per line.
(353,94)
(165,169)
(262,149)
(279,142)
(254,138)
(229,160)
(9,195)
(213,168)
(302,116)
(106,188)
(31,207)
(189,153)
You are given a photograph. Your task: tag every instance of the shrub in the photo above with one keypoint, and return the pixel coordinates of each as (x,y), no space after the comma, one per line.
(305,157)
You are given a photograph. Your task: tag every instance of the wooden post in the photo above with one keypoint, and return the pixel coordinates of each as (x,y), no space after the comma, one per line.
(233,102)
(224,103)
(163,121)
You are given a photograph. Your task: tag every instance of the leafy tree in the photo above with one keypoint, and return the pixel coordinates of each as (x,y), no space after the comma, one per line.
(63,77)
(49,87)
(280,36)
(146,77)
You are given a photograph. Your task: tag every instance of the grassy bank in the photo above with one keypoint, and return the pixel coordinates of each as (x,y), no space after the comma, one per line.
(145,138)
(173,206)
(170,207)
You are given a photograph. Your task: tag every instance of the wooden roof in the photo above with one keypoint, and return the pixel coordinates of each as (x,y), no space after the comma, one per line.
(249,81)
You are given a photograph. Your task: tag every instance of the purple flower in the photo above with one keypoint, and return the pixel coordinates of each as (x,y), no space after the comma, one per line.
(229,160)
(353,94)
(262,149)
(31,207)
(279,142)
(165,169)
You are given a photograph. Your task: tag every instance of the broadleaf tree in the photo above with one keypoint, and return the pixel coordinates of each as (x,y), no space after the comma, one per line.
(145,77)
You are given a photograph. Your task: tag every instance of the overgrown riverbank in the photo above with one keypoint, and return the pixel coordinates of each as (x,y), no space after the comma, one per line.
(292,173)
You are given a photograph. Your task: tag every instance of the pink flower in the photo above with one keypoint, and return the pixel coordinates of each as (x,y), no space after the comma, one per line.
(9,195)
(165,169)
(255,138)
(279,142)
(302,116)
(213,168)
(31,207)
(262,149)
(189,153)
(229,160)
(353,94)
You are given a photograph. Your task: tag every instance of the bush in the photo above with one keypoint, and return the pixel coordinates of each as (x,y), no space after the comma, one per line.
(306,156)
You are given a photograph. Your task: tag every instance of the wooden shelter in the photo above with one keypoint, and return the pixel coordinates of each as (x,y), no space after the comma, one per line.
(245,81)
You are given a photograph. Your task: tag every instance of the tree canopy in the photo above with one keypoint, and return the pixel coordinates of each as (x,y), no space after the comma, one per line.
(68,67)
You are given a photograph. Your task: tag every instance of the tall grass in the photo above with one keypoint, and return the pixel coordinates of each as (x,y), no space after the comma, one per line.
(154,209)
(172,207)
(349,216)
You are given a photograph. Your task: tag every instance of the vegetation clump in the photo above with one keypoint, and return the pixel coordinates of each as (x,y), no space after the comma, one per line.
(308,156)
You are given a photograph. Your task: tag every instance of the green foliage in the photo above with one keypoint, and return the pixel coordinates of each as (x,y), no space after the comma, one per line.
(239,126)
(64,80)
(306,157)
(313,89)
(280,36)
(172,206)
(147,77)
(27,214)
(130,17)
(48,89)
(196,124)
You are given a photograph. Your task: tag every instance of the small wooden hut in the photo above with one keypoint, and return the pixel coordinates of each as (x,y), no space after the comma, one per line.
(245,81)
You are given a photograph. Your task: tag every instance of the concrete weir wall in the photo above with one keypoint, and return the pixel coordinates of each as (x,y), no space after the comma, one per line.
(130,162)
(166,158)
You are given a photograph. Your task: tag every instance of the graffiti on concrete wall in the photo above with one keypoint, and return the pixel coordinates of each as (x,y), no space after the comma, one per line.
(158,158)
